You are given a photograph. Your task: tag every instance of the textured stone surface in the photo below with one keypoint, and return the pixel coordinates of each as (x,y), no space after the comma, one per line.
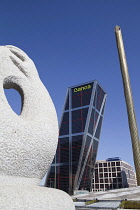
(28,141)
(33,198)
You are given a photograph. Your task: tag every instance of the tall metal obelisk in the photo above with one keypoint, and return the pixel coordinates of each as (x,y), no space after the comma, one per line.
(129,102)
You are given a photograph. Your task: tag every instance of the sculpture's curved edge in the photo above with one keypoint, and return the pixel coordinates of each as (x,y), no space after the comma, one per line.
(28,142)
(34,198)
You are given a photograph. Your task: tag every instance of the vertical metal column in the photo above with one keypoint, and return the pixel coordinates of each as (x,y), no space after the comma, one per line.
(70,143)
(129,102)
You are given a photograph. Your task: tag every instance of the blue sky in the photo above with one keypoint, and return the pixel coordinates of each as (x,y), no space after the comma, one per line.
(73,41)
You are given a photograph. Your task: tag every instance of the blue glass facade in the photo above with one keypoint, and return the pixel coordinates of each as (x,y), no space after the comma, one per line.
(79,134)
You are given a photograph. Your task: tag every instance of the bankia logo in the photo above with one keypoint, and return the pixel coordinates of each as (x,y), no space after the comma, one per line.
(82,88)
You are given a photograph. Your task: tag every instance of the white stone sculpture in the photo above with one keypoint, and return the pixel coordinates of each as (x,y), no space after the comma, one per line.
(28,141)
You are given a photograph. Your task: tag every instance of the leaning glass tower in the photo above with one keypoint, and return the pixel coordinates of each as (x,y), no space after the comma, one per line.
(73,165)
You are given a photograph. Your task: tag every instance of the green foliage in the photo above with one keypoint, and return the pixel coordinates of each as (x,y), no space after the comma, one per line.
(74,200)
(90,202)
(130,205)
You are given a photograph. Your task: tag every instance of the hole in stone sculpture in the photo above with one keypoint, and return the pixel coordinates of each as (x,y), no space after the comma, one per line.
(14,100)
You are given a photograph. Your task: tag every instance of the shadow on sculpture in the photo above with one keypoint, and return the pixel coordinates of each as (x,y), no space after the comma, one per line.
(27,141)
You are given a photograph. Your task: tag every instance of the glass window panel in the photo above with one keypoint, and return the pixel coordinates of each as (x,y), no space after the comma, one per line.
(64,128)
(105,170)
(76,101)
(114,186)
(74,167)
(64,155)
(105,164)
(101,186)
(101,175)
(95,97)
(78,120)
(97,134)
(119,179)
(81,95)
(103,107)
(64,170)
(100,96)
(100,170)
(114,174)
(76,149)
(88,141)
(95,146)
(106,186)
(113,169)
(86,98)
(96,179)
(96,171)
(117,163)
(100,164)
(77,126)
(84,113)
(64,142)
(105,174)
(67,103)
(92,122)
(76,153)
(97,186)
(119,174)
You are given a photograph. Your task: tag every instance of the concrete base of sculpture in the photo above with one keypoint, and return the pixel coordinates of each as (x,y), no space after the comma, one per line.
(18,194)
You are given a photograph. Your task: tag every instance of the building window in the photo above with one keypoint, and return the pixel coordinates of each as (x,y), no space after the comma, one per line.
(100,170)
(105,169)
(105,164)
(119,179)
(113,169)
(101,186)
(97,186)
(105,174)
(101,180)
(117,163)
(118,169)
(109,169)
(118,174)
(106,186)
(112,163)
(96,179)
(101,175)
(114,174)
(100,164)
(120,186)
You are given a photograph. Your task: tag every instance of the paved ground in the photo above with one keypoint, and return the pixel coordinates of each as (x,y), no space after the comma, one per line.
(108,199)
(82,209)
(93,209)
(105,204)
(132,193)
(100,205)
